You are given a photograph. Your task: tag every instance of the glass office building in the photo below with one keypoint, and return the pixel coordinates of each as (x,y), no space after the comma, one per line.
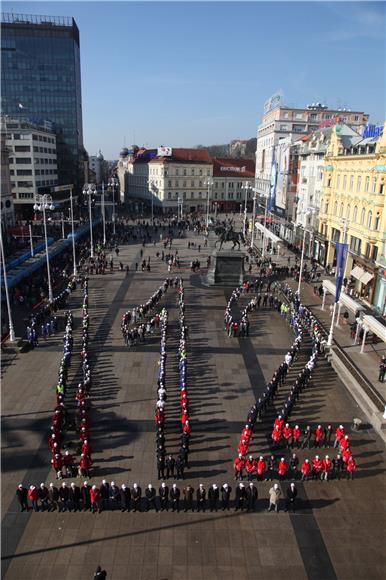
(40,81)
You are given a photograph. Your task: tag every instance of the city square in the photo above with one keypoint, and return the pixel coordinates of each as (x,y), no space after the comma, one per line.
(193,337)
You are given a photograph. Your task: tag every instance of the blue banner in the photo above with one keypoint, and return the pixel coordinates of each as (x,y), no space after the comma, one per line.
(341,255)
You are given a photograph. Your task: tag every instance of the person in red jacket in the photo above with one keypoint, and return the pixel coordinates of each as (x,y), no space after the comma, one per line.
(159,416)
(57,464)
(276,436)
(186,428)
(346,454)
(339,433)
(261,467)
(282,468)
(242,447)
(246,433)
(250,466)
(239,465)
(344,443)
(95,497)
(317,467)
(305,469)
(33,497)
(86,448)
(287,434)
(184,415)
(279,421)
(319,436)
(84,466)
(296,432)
(327,467)
(350,468)
(68,462)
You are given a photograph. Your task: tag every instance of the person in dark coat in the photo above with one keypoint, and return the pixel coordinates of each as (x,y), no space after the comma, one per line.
(100,574)
(125,498)
(136,494)
(115,496)
(175,497)
(188,497)
(53,497)
(213,496)
(225,496)
(161,466)
(21,495)
(64,495)
(164,496)
(43,497)
(150,498)
(85,495)
(201,498)
(74,496)
(240,497)
(170,462)
(251,493)
(180,464)
(292,493)
(105,494)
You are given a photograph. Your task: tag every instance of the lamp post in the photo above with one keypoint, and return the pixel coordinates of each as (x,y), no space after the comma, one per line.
(215,210)
(73,235)
(103,213)
(31,240)
(89,190)
(208,182)
(246,187)
(43,203)
(112,184)
(265,226)
(12,337)
(253,218)
(302,261)
(151,190)
(63,231)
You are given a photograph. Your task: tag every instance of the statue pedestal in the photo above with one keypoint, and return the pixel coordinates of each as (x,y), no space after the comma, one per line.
(226,268)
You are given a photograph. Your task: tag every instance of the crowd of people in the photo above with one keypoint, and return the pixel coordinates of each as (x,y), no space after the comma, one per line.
(110,496)
(300,320)
(182,370)
(161,396)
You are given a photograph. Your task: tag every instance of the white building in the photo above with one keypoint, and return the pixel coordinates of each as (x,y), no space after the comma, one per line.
(32,160)
(96,165)
(279,122)
(233,180)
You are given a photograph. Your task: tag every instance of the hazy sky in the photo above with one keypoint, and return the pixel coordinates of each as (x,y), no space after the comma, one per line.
(184,73)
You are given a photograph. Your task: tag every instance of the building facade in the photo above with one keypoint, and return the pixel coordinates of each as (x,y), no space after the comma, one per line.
(32,162)
(7,207)
(233,180)
(280,122)
(353,210)
(40,80)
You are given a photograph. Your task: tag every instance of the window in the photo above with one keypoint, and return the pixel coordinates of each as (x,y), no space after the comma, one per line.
(193,171)
(177,183)
(355,214)
(262,159)
(24,183)
(363,214)
(22,149)
(341,210)
(344,182)
(313,116)
(348,211)
(369,219)
(285,115)
(359,183)
(375,252)
(169,182)
(283,127)
(23,161)
(184,171)
(184,183)
(298,115)
(326,207)
(338,182)
(24,172)
(367,183)
(374,188)
(351,182)
(336,208)
(355,245)
(192,194)
(329,182)
(169,195)
(368,250)
(381,187)
(376,222)
(177,171)
(200,171)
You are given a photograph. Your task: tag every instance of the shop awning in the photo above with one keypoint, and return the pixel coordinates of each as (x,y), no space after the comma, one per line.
(365,279)
(376,327)
(274,239)
(357,272)
(348,302)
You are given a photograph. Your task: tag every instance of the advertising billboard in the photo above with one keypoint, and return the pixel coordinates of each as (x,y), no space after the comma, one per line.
(273,102)
(164,151)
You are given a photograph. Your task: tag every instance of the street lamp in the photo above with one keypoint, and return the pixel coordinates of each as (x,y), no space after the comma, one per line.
(103,213)
(12,337)
(152,190)
(246,187)
(308,212)
(215,210)
(73,236)
(253,217)
(209,183)
(89,189)
(112,184)
(43,203)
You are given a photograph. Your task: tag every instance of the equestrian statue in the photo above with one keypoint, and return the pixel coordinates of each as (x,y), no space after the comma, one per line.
(228,234)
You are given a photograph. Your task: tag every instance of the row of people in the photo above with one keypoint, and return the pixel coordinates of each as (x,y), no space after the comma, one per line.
(321,436)
(59,418)
(182,371)
(284,468)
(161,395)
(113,497)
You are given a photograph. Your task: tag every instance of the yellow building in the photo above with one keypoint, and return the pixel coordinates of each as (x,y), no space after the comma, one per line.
(352,210)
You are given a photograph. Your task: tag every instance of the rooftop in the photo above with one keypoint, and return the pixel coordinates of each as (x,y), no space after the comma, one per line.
(11,18)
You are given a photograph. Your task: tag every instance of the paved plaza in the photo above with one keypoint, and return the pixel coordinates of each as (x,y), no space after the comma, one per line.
(339,528)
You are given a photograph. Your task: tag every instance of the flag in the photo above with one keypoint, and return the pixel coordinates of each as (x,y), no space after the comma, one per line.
(341,255)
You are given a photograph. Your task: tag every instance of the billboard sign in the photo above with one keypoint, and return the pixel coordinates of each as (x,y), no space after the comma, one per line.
(273,102)
(372,131)
(164,151)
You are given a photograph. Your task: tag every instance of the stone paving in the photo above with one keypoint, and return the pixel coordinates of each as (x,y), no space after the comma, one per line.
(339,529)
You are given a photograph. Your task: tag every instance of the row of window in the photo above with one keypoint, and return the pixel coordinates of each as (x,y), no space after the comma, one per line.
(201,195)
(369,223)
(369,185)
(356,247)
(178,171)
(28,161)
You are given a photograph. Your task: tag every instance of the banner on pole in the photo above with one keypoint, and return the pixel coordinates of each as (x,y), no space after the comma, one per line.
(341,256)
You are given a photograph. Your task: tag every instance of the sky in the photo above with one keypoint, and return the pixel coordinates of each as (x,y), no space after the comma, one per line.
(188,73)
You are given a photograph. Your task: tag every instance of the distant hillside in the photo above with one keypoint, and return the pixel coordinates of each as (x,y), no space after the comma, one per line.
(236,149)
